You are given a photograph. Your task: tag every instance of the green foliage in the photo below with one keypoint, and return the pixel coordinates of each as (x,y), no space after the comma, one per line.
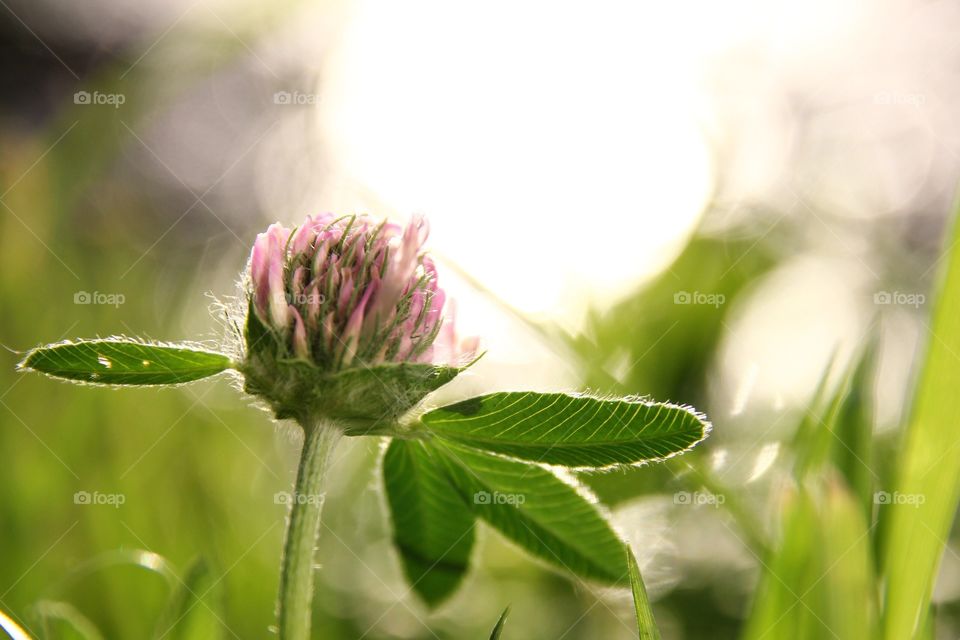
(812,439)
(436,488)
(818,582)
(848,564)
(498,629)
(785,607)
(646,624)
(121,361)
(569,430)
(649,345)
(928,470)
(62,621)
(433,530)
(194,609)
(853,451)
(552,519)
(462,462)
(836,430)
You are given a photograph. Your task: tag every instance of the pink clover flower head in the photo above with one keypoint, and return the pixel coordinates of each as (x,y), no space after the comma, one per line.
(341,292)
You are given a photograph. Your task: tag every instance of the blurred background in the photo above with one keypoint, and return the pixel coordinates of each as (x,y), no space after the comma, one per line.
(709,203)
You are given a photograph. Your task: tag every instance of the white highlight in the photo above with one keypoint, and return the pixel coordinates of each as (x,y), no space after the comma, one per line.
(764,460)
(557,168)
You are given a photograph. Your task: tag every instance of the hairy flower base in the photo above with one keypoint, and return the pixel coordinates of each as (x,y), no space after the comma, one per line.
(361,400)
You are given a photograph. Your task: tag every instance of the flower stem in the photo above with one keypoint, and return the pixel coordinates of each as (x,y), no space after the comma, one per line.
(303,526)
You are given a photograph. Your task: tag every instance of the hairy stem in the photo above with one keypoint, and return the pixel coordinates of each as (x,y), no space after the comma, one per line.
(303,526)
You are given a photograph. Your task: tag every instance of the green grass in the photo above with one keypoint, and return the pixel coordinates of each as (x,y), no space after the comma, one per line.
(928,467)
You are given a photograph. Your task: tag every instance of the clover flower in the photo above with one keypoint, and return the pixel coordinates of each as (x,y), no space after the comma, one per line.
(343,292)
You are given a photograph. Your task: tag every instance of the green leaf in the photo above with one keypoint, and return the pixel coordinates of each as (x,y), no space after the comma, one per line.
(928,469)
(928,631)
(570,430)
(819,580)
(498,629)
(790,590)
(432,528)
(192,612)
(552,519)
(122,361)
(853,448)
(646,624)
(837,427)
(850,606)
(811,439)
(61,620)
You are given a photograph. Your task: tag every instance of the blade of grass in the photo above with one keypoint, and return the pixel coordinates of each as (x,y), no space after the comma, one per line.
(646,625)
(853,450)
(848,579)
(191,611)
(929,469)
(837,429)
(810,438)
(786,597)
(818,582)
(66,621)
(498,629)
